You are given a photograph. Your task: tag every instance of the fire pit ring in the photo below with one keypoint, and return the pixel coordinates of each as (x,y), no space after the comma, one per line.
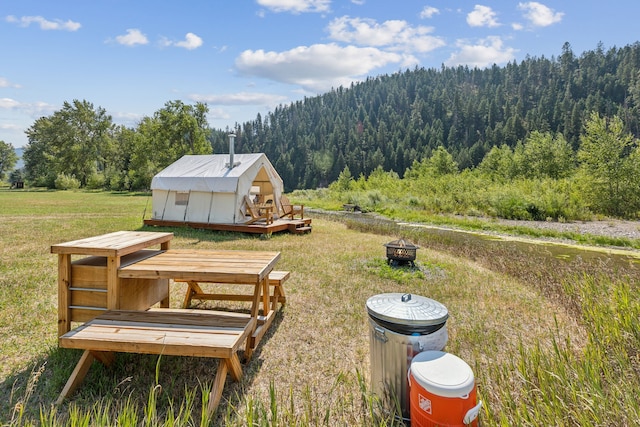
(401,252)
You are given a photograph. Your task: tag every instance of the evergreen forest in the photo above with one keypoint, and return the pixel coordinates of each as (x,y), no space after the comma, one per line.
(570,120)
(393,120)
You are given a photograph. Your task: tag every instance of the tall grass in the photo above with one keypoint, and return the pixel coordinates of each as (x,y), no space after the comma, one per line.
(552,341)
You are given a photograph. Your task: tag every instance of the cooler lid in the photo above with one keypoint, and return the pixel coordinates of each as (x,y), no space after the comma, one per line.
(442,374)
(407,309)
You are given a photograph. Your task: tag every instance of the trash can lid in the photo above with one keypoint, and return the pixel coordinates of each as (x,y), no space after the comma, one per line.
(442,374)
(406,309)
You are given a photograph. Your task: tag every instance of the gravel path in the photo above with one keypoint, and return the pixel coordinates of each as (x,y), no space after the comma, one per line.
(610,227)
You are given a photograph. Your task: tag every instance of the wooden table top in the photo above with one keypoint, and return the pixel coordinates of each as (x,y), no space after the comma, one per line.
(118,243)
(221,266)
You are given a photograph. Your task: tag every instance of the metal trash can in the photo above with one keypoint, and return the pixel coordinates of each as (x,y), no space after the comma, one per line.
(401,326)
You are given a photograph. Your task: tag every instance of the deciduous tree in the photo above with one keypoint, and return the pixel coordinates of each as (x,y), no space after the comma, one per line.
(607,169)
(75,141)
(8,158)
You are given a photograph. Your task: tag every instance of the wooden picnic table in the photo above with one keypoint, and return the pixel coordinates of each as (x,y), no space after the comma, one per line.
(132,326)
(216,266)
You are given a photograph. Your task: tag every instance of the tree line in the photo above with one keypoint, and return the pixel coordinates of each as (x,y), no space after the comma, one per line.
(386,122)
(541,178)
(80,146)
(391,120)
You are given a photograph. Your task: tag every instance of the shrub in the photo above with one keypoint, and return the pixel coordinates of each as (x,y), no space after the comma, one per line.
(67,182)
(511,205)
(96,181)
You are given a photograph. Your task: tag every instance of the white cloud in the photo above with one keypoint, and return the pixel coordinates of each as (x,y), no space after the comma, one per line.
(36,109)
(132,38)
(218,114)
(540,15)
(129,119)
(358,2)
(517,26)
(8,103)
(428,12)
(10,126)
(190,42)
(6,83)
(316,68)
(485,53)
(240,98)
(296,6)
(395,35)
(45,24)
(482,16)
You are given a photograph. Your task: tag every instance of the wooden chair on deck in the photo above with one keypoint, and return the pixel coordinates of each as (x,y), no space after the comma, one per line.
(257,213)
(290,210)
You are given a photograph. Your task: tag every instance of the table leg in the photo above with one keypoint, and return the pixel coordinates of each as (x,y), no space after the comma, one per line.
(81,369)
(265,296)
(235,368)
(113,283)
(255,304)
(77,376)
(193,289)
(218,386)
(276,297)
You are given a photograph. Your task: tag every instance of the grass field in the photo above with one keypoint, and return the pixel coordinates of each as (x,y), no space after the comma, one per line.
(551,341)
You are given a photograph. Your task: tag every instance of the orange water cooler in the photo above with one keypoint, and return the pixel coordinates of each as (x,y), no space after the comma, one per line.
(442,391)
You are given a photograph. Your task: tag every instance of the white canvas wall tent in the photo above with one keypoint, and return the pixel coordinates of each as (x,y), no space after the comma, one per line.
(205,189)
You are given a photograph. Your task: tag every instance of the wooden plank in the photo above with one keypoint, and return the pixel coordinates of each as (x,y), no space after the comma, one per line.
(88,297)
(113,288)
(278,277)
(140,294)
(101,261)
(138,339)
(118,243)
(64,297)
(261,330)
(84,313)
(217,388)
(278,225)
(265,295)
(89,276)
(195,342)
(177,316)
(78,374)
(223,325)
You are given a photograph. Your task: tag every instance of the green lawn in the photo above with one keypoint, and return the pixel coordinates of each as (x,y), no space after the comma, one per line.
(551,342)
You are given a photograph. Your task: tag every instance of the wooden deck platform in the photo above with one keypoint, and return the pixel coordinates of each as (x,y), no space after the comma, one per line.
(296,226)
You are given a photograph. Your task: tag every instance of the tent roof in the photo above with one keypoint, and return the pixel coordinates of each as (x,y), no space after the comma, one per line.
(209,173)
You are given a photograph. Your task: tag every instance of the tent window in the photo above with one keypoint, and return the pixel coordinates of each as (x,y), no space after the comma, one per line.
(182,198)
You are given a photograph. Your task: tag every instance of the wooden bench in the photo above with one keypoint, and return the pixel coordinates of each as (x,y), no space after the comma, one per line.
(276,281)
(179,332)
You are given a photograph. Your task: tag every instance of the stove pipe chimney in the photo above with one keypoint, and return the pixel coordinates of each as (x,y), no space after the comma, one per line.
(232,137)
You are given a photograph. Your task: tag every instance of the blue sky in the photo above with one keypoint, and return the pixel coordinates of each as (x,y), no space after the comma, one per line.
(246,57)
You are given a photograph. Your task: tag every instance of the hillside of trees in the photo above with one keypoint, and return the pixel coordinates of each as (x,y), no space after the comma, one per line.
(390,123)
(541,179)
(392,120)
